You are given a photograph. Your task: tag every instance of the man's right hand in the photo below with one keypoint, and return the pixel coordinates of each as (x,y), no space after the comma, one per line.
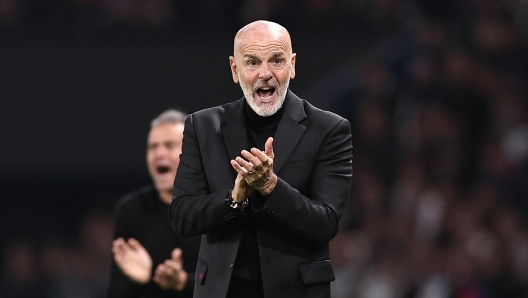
(133,260)
(242,189)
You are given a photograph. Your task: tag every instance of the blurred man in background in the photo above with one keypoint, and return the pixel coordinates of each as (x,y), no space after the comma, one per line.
(150,260)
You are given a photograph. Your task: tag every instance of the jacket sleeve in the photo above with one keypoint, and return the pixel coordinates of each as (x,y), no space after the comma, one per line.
(121,286)
(194,210)
(315,217)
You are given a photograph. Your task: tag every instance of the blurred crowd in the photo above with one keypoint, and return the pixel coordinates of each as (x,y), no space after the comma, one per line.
(440,124)
(161,17)
(60,268)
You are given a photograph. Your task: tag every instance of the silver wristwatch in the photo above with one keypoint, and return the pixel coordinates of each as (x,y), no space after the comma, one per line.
(234,204)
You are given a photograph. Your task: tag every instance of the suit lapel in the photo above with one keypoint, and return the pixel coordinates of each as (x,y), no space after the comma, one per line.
(289,131)
(234,133)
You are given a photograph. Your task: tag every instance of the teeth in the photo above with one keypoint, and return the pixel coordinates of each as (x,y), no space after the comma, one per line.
(265,88)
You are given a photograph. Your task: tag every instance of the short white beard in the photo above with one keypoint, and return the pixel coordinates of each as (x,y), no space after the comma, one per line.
(265,110)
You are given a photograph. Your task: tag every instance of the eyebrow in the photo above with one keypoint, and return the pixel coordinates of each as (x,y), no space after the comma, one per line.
(250,56)
(274,55)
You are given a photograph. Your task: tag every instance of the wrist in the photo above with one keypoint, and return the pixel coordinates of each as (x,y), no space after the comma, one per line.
(142,280)
(235,196)
(240,205)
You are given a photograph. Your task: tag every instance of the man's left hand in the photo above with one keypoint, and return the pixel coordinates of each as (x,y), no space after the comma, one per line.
(257,168)
(170,275)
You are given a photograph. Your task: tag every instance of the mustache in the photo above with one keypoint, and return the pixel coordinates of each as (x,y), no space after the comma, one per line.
(262,83)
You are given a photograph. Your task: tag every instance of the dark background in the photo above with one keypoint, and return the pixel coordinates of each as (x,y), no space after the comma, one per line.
(435,92)
(78,94)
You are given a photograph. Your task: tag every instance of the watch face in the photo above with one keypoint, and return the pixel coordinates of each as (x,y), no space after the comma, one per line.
(233,204)
(245,203)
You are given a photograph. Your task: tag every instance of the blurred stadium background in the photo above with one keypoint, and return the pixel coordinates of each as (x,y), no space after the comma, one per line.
(436,92)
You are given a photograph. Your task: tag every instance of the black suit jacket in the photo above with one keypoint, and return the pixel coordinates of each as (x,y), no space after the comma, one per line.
(143,216)
(313,160)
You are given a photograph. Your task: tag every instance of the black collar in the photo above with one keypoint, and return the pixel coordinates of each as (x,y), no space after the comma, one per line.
(253,119)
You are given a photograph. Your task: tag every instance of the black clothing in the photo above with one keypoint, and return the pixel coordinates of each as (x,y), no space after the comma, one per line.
(313,163)
(143,216)
(241,288)
(247,263)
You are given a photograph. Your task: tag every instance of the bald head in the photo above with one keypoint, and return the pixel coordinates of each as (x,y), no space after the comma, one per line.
(262,31)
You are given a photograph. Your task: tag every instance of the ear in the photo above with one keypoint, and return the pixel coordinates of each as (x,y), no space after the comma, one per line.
(294,56)
(234,69)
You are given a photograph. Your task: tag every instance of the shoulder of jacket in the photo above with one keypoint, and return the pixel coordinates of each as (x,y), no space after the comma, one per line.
(216,110)
(135,199)
(323,115)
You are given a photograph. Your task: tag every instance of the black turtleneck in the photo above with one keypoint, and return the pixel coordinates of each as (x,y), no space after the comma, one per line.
(259,129)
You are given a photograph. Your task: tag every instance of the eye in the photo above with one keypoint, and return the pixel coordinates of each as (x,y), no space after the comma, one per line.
(252,63)
(277,61)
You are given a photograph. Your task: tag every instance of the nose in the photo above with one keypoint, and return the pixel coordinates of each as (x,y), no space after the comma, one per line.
(160,151)
(265,72)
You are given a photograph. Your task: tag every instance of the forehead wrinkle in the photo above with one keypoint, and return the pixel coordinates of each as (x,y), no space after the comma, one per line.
(279,43)
(273,49)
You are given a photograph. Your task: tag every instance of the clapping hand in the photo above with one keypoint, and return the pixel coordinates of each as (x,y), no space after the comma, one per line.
(170,275)
(257,168)
(133,259)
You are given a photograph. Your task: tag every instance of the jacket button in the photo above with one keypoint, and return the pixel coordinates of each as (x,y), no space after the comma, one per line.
(232,265)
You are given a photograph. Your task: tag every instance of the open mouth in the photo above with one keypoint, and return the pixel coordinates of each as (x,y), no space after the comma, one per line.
(265,92)
(162,169)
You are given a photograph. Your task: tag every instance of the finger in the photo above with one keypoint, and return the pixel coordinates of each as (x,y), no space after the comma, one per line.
(118,240)
(176,255)
(161,269)
(167,274)
(121,247)
(117,249)
(120,251)
(247,165)
(161,280)
(240,170)
(268,148)
(263,158)
(117,245)
(254,161)
(134,244)
(172,266)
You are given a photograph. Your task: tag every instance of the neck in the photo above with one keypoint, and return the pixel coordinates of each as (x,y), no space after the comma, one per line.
(165,196)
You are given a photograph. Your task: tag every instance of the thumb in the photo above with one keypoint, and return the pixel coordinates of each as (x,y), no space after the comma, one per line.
(176,254)
(268,147)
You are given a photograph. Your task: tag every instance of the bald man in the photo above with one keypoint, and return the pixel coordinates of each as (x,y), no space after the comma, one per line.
(263,179)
